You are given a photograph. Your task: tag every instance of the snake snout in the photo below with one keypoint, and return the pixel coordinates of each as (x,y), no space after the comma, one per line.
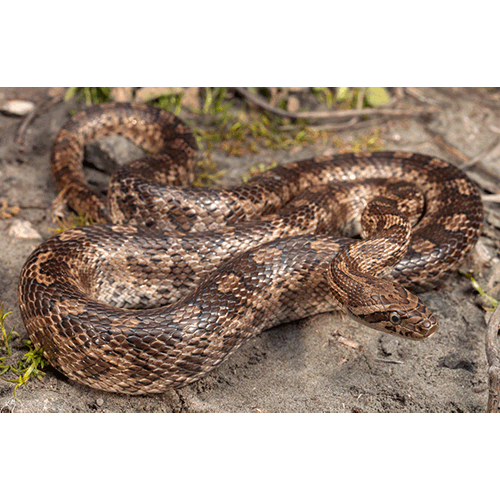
(425,328)
(417,322)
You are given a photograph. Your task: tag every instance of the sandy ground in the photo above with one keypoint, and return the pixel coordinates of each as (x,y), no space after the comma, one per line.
(320,364)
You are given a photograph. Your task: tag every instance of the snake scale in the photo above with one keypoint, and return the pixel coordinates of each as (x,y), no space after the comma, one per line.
(173,279)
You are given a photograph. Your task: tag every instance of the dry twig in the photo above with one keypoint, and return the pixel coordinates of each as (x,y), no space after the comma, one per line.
(482,155)
(446,146)
(24,125)
(341,113)
(29,118)
(491,197)
(493,358)
(467,162)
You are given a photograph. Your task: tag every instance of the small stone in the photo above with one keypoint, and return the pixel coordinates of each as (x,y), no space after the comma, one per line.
(191,97)
(122,94)
(17,107)
(23,229)
(109,153)
(100,402)
(454,362)
(145,94)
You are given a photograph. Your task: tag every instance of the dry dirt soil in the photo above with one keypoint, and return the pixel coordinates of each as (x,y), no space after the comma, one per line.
(321,364)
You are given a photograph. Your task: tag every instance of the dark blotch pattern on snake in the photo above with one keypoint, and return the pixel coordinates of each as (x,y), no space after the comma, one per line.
(173,279)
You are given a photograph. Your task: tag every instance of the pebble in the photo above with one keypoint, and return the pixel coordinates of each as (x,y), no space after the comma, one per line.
(454,362)
(109,153)
(100,402)
(23,229)
(17,107)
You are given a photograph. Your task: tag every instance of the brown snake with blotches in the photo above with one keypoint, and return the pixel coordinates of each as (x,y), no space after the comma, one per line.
(173,279)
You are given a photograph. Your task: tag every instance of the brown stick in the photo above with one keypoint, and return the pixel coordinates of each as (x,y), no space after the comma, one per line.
(24,125)
(29,118)
(493,358)
(347,113)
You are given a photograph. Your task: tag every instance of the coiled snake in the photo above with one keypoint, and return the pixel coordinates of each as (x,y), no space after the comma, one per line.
(174,279)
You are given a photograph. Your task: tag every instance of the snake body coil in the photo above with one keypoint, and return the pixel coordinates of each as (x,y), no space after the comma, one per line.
(174,278)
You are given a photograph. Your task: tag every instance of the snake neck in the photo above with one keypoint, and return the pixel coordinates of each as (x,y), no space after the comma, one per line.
(386,238)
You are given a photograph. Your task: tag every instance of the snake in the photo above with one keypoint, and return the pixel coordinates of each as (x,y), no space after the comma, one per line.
(171,279)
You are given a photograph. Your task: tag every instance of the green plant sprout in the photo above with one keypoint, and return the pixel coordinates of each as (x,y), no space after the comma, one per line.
(92,95)
(373,97)
(31,363)
(6,337)
(477,287)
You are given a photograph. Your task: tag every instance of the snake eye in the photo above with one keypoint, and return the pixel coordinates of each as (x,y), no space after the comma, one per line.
(395,318)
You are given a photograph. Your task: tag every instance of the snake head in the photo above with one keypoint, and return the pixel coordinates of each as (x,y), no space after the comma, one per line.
(391,308)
